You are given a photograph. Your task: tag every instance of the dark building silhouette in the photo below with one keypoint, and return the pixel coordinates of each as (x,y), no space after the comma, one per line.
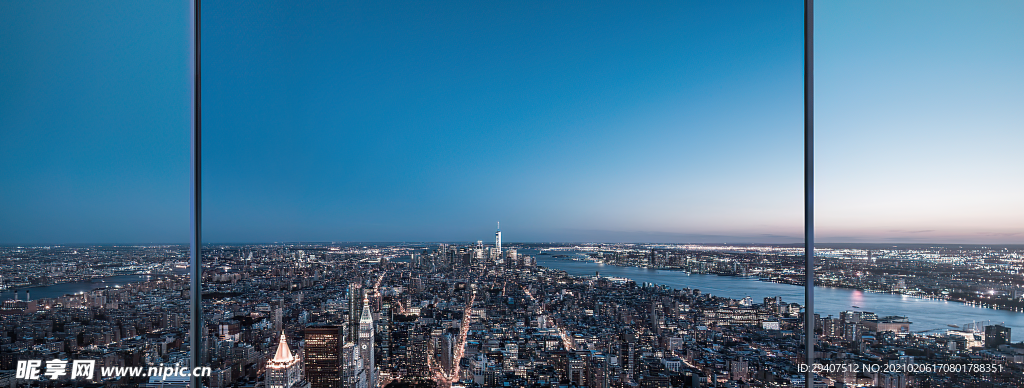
(356,293)
(996,335)
(323,355)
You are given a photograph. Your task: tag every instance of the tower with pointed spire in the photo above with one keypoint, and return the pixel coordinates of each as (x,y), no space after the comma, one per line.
(366,344)
(497,239)
(284,370)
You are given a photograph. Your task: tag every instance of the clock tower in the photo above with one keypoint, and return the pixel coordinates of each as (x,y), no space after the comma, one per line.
(366,344)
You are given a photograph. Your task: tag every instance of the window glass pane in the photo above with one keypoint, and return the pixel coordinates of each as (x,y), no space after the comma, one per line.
(358,157)
(918,189)
(95,106)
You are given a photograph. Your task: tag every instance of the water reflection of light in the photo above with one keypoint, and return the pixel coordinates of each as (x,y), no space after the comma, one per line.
(857,298)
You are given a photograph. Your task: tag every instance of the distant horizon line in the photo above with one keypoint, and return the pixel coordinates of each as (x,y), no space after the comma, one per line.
(153,244)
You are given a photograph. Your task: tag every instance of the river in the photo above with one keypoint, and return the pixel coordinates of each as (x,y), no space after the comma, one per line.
(58,290)
(926,314)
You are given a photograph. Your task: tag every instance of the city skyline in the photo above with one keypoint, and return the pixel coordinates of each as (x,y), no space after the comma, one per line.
(655,123)
(547,315)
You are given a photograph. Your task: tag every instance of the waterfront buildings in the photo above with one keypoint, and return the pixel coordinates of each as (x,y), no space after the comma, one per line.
(996,335)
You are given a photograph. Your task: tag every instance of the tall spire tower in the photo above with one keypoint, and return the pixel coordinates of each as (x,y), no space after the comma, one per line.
(497,239)
(366,344)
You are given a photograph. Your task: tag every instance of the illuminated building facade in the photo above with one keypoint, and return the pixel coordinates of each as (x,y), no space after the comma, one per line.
(285,369)
(323,355)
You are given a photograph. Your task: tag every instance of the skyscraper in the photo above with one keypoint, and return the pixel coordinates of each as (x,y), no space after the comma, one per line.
(356,294)
(996,335)
(366,344)
(323,355)
(352,373)
(284,370)
(497,239)
(386,341)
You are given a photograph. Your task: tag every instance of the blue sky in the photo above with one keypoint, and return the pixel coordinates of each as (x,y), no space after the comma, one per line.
(433,121)
(94,121)
(919,121)
(430,121)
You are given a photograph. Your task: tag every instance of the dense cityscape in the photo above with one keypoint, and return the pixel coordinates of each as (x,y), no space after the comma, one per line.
(987,276)
(487,315)
(752,194)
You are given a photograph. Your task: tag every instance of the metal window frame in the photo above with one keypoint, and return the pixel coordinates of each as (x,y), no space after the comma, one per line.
(195,237)
(809,320)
